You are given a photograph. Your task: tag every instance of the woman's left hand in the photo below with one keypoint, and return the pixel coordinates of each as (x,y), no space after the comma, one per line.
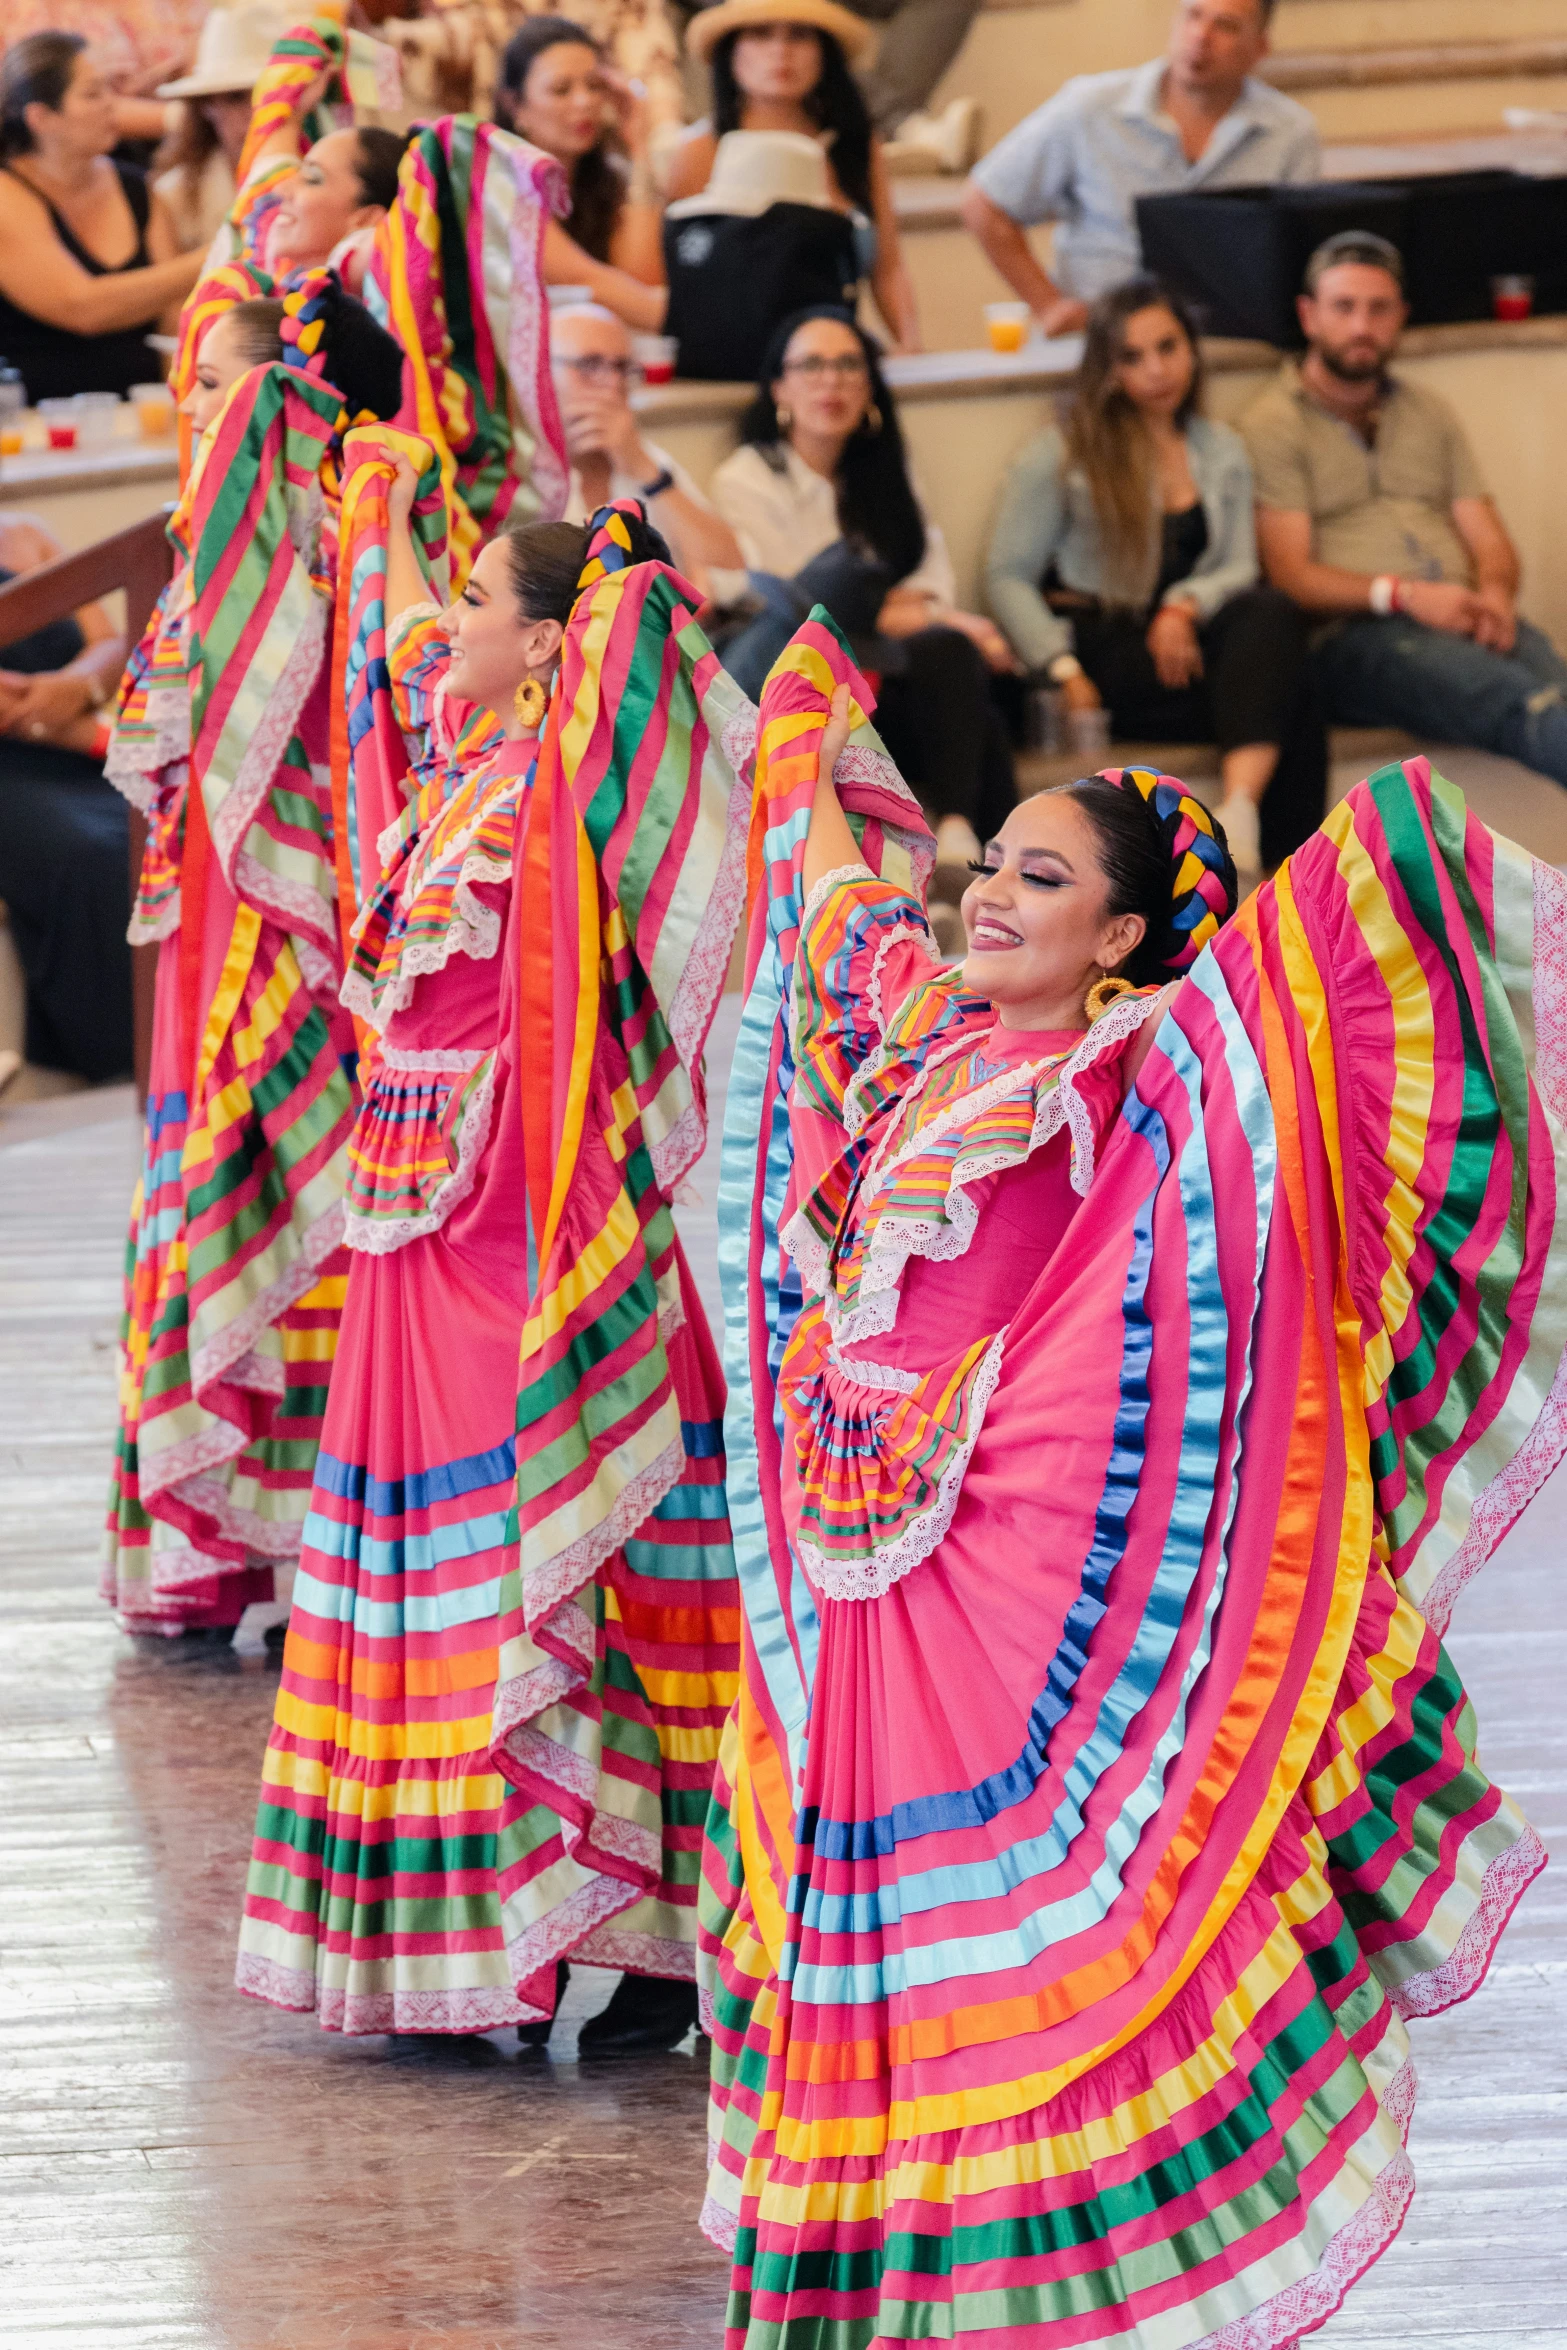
(37,708)
(1172,642)
(998,654)
(627,107)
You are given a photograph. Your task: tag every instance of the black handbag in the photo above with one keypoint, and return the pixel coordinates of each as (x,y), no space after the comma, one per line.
(734,276)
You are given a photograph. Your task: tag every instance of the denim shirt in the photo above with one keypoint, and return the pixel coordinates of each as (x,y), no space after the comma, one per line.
(1047,517)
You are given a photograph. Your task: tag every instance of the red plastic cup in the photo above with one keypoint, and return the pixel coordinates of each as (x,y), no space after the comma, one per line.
(62,436)
(656,356)
(1512,297)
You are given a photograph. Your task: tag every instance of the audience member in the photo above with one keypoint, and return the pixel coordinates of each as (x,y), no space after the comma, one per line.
(1136,523)
(920,38)
(64,840)
(783,65)
(136,43)
(820,499)
(1373,514)
(89,259)
(558,91)
(211,105)
(1195,118)
(451,59)
(590,351)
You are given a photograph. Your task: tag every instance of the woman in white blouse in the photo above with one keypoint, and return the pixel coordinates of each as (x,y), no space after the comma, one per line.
(819,496)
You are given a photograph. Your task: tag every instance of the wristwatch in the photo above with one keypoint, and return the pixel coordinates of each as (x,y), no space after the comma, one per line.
(658,485)
(1064,667)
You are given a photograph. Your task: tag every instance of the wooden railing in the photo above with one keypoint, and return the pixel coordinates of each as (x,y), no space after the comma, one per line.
(138,562)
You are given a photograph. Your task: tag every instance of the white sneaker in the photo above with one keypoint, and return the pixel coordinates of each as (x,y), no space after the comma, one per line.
(946,142)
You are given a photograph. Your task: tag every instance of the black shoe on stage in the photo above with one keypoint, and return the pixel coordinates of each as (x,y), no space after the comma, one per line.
(646,2014)
(538,2035)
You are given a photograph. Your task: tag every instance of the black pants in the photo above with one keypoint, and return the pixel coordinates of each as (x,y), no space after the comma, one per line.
(65,880)
(935,709)
(1256,687)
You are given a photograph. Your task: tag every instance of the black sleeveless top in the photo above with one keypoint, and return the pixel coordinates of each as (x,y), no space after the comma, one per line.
(55,363)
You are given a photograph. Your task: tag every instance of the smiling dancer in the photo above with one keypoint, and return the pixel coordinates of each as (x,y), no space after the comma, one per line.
(513,1636)
(1101,1802)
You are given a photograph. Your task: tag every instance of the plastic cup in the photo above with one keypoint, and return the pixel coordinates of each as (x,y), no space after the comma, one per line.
(1512,297)
(1045,710)
(11,443)
(656,356)
(97,418)
(1088,732)
(59,420)
(154,406)
(1006,323)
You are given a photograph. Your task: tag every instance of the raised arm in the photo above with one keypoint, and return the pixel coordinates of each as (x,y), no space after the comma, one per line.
(566,264)
(830,843)
(406,584)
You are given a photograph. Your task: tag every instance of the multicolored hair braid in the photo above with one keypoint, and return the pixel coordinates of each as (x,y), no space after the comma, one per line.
(1203,889)
(618,536)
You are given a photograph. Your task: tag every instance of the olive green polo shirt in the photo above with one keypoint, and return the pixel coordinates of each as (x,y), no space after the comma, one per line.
(1384,508)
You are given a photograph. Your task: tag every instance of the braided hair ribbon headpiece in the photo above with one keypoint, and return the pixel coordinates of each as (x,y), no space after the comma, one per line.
(611,541)
(1202,886)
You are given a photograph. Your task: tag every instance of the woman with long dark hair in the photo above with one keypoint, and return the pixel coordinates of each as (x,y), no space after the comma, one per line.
(89,259)
(1123,566)
(820,498)
(524,1612)
(559,92)
(783,65)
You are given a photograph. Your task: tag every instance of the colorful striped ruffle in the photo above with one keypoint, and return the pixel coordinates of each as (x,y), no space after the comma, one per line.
(1134,1823)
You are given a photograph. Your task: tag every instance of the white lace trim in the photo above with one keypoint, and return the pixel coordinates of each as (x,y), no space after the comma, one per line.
(873,1577)
(555,1579)
(209,1362)
(138,766)
(943,1241)
(737,741)
(699,988)
(638,1954)
(394,1056)
(718,2224)
(868,1374)
(471,929)
(380,1236)
(263,753)
(873,771)
(1279,2322)
(1462,1972)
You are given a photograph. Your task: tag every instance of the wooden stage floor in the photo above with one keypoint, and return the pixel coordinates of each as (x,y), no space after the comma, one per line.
(181,2167)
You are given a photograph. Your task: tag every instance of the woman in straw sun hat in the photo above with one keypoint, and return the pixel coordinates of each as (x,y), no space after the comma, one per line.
(210,107)
(783,65)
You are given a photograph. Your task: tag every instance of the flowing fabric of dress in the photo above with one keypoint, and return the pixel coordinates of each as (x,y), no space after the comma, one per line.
(463,1786)
(1100,1802)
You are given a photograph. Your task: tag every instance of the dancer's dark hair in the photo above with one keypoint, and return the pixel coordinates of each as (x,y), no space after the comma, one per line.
(545,561)
(877,508)
(1134,845)
(378,156)
(834,104)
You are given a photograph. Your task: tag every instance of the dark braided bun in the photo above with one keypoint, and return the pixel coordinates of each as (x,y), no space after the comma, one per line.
(1165,858)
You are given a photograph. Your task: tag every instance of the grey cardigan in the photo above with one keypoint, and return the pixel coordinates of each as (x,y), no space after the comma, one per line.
(1047,516)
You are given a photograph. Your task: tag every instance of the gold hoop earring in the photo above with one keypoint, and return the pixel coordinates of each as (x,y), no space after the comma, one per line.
(529,703)
(1103,994)
(784,414)
(871,420)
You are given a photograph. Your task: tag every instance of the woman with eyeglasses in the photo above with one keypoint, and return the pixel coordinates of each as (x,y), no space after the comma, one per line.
(783,65)
(559,91)
(819,496)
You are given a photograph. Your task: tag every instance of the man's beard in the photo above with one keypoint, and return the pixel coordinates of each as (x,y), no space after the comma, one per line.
(1351,371)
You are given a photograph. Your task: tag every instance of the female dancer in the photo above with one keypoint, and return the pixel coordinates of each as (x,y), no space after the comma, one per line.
(1137,520)
(485,1759)
(1138,1803)
(232,1291)
(783,65)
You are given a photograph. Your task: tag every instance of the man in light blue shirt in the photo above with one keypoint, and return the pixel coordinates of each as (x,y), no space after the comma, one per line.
(1195,118)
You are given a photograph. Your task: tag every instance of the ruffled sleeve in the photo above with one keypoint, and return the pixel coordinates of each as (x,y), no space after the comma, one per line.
(865,946)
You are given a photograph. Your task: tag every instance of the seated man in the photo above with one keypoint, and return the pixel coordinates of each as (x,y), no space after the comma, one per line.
(590,352)
(1194,118)
(1373,514)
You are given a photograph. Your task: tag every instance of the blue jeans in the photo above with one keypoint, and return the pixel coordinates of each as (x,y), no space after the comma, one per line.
(1394,672)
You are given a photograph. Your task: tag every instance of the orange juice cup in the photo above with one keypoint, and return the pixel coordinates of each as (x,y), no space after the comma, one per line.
(154,406)
(10,440)
(1006,323)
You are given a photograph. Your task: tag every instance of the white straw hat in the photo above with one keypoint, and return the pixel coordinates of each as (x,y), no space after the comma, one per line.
(753,169)
(234,47)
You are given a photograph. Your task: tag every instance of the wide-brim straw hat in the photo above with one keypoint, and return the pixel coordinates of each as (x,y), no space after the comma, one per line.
(709,25)
(232,52)
(753,169)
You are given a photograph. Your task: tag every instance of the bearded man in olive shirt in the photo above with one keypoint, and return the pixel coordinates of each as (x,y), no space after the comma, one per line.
(1374,515)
